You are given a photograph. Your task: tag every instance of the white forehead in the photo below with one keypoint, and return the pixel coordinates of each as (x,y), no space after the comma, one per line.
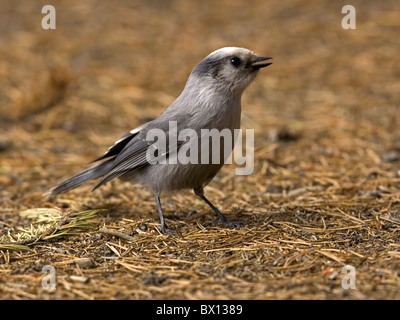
(228,51)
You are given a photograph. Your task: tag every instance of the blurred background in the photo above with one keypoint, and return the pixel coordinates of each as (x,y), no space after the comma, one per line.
(68,93)
(325,114)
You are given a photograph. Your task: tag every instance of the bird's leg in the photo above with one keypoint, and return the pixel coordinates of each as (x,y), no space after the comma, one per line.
(224,220)
(163,226)
(220,215)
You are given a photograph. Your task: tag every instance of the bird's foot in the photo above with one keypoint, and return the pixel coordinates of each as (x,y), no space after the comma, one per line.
(165,232)
(228,223)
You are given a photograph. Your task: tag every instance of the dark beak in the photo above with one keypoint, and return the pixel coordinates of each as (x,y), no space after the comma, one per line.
(257,65)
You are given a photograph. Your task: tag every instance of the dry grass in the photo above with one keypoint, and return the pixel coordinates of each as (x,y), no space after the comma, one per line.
(326,188)
(49,224)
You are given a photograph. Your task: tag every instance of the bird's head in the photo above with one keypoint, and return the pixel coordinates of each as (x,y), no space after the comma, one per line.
(231,67)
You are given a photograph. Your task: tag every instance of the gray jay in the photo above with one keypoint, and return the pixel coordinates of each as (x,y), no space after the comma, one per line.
(211,99)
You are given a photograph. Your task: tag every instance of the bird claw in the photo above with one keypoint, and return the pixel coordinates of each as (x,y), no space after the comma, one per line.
(233,224)
(166,232)
(228,223)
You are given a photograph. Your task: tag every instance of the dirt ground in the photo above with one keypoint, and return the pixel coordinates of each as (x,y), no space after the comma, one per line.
(325,192)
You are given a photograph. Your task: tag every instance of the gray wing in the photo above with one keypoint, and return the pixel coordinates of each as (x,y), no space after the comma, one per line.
(134,153)
(130,158)
(126,155)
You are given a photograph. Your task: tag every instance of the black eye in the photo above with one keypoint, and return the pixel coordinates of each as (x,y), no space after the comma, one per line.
(236,61)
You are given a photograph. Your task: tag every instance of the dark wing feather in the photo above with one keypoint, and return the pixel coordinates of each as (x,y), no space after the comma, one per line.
(120,144)
(131,157)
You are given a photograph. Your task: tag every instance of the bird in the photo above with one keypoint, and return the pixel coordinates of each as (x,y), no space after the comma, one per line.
(211,99)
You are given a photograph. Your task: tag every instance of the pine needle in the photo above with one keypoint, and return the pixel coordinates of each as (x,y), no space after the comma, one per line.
(48,224)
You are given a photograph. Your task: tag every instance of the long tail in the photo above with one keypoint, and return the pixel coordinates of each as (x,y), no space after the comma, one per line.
(91,173)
